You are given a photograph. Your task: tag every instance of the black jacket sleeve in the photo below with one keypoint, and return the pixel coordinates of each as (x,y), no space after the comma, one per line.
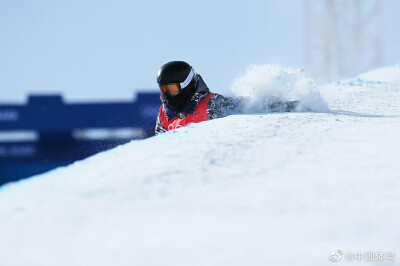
(220,106)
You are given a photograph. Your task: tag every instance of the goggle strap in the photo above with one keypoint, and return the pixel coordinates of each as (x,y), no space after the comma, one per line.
(188,79)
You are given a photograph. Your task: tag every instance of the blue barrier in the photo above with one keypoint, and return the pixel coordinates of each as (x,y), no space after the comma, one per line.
(55,125)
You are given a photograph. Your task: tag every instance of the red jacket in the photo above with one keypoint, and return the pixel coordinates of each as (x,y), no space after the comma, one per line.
(200,114)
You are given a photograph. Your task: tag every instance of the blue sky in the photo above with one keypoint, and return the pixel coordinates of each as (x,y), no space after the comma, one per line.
(90,49)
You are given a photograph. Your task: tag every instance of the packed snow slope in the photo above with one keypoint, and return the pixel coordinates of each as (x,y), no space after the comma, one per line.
(256,189)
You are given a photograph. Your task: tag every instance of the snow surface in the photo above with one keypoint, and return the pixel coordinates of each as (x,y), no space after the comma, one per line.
(385,74)
(261,189)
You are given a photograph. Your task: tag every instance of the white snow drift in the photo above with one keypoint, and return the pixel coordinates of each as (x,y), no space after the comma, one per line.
(262,189)
(288,84)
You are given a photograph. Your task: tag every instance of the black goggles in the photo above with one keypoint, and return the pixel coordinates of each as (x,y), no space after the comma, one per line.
(170,89)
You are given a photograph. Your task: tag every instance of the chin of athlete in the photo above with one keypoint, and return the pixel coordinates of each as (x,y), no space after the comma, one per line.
(179,101)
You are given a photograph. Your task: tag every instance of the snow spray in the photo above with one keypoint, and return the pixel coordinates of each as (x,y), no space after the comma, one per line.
(261,82)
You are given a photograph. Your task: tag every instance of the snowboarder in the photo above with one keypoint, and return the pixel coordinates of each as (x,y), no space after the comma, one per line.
(186,99)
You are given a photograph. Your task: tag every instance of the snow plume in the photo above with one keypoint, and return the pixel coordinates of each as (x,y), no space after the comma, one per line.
(263,82)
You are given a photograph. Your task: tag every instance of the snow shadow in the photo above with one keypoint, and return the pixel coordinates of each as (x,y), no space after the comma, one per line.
(348,113)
